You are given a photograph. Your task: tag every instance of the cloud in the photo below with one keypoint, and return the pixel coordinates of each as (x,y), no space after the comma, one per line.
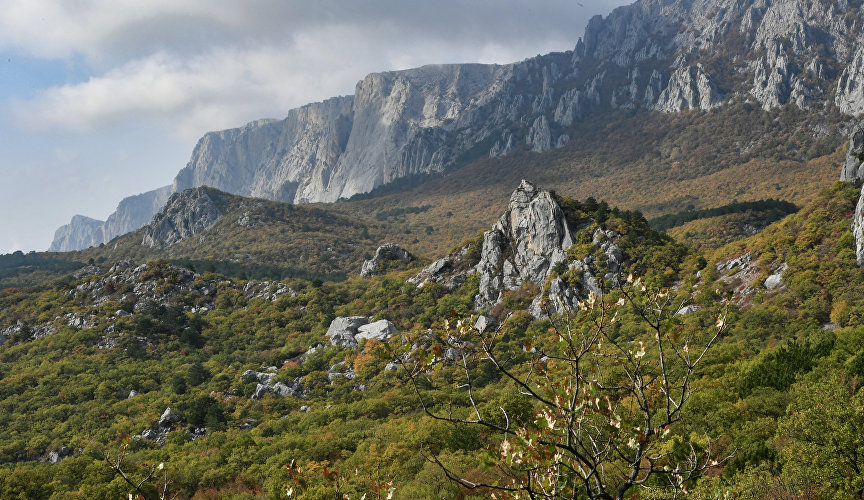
(201,65)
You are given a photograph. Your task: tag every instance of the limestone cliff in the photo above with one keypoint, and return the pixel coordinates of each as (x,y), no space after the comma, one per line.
(81,232)
(662,55)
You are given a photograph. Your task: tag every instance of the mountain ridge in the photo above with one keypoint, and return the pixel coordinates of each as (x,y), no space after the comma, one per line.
(651,55)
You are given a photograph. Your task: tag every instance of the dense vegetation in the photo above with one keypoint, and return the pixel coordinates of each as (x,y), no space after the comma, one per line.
(779,391)
(772,209)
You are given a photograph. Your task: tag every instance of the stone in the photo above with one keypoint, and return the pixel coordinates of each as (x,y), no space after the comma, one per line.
(55,456)
(535,230)
(132,394)
(485,322)
(343,330)
(387,252)
(379,330)
(776,279)
(540,135)
(132,213)
(168,418)
(81,232)
(858,228)
(150,435)
(264,378)
(688,309)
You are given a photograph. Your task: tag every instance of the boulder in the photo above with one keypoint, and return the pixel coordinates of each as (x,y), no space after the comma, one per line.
(343,329)
(388,252)
(379,330)
(168,418)
(485,322)
(279,388)
(250,375)
(776,280)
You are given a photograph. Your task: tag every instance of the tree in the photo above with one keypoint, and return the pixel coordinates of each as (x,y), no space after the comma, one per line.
(609,387)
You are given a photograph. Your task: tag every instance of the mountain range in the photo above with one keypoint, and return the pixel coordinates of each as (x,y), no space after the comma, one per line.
(651,57)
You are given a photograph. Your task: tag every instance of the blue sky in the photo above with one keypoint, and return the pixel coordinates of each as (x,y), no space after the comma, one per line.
(102,99)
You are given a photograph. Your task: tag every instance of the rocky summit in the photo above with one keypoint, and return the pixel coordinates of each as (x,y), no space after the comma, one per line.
(528,245)
(653,55)
(185,215)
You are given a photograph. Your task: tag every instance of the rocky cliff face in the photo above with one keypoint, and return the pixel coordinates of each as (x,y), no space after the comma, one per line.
(185,215)
(81,232)
(526,245)
(528,239)
(132,213)
(657,55)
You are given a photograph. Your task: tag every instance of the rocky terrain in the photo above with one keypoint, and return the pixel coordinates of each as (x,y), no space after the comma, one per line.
(529,246)
(652,56)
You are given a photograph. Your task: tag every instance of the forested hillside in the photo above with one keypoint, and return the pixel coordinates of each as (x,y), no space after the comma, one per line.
(254,383)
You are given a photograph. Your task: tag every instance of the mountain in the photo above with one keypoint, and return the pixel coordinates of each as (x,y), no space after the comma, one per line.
(654,56)
(132,213)
(80,233)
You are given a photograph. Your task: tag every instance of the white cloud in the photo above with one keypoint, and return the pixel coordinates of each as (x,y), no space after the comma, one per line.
(229,85)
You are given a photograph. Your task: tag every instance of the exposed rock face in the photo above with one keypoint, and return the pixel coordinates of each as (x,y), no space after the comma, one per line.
(689,88)
(81,232)
(385,253)
(653,54)
(535,236)
(279,388)
(445,271)
(858,229)
(850,88)
(853,167)
(169,418)
(185,215)
(526,245)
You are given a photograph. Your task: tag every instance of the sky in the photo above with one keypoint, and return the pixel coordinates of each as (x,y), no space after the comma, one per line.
(103,99)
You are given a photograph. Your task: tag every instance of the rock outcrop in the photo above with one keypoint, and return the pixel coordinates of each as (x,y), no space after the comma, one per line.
(850,88)
(528,239)
(384,255)
(379,330)
(688,88)
(349,331)
(185,215)
(528,244)
(853,167)
(343,330)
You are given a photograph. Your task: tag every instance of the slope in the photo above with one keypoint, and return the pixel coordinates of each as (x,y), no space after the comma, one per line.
(253,384)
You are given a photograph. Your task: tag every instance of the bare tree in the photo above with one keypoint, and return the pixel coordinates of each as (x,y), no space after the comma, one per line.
(117,463)
(607,396)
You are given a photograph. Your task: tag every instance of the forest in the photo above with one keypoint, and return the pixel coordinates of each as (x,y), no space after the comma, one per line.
(766,400)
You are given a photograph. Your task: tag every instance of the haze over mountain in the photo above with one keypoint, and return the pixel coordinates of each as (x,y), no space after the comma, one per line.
(652,55)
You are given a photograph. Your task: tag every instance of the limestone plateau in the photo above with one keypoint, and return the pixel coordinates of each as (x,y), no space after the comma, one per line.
(659,55)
